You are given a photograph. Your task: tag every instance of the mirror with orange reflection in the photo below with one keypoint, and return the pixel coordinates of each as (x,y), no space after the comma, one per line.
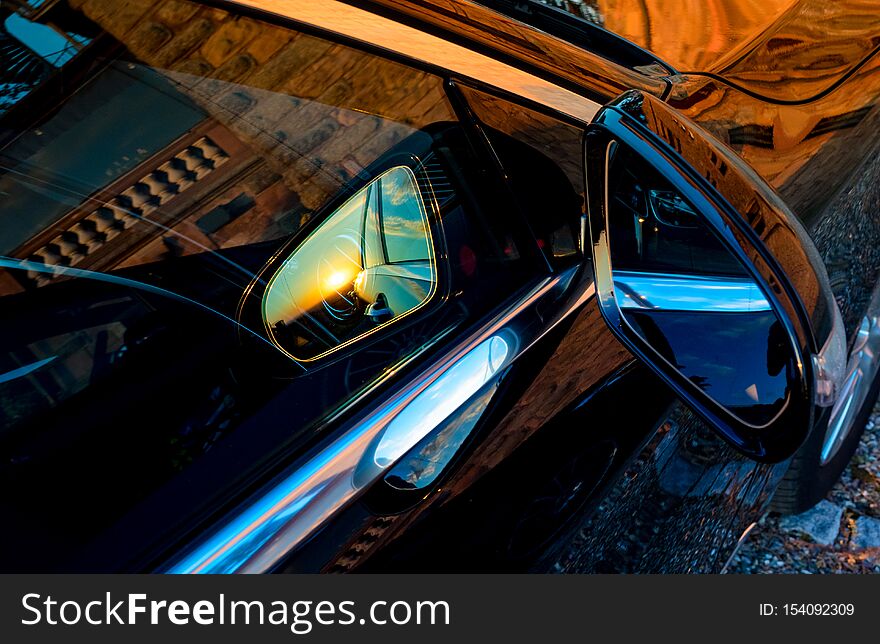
(370,263)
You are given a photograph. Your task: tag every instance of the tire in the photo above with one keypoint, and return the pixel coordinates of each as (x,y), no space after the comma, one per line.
(807,480)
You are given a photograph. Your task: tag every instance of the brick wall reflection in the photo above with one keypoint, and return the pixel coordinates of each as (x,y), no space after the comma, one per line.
(293,118)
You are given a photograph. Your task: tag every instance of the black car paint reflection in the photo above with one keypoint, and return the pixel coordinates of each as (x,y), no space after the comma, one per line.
(732,378)
(582,461)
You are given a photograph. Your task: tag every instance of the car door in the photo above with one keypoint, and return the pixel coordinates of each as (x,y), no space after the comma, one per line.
(633,476)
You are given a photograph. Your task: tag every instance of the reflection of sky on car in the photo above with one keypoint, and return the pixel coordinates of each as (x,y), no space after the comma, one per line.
(328,268)
(402,218)
(38,47)
(427,460)
(43,40)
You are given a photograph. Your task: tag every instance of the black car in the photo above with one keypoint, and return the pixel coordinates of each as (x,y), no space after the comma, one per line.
(425,286)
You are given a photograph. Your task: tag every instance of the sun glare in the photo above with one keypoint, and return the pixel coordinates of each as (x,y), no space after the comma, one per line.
(337,280)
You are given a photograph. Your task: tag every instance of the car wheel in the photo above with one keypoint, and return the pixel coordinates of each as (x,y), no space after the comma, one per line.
(819,462)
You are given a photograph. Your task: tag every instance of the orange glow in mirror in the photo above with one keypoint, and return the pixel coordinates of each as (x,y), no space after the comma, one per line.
(370,263)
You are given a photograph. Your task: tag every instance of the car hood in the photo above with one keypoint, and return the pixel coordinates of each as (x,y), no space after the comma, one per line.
(779,50)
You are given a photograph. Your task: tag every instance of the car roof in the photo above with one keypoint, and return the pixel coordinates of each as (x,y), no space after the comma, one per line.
(776,50)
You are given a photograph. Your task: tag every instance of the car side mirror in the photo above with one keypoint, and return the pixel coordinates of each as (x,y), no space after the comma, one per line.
(370,263)
(693,256)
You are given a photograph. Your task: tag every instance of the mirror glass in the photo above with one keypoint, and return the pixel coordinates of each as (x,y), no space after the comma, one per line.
(369,263)
(689,297)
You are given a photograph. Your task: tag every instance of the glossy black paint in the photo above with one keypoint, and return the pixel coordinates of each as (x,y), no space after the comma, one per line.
(582,33)
(586,461)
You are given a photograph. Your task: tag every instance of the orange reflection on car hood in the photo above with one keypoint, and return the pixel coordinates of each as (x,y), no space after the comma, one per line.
(781,50)
(691,35)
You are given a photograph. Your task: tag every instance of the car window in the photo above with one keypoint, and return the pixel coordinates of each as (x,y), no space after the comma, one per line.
(543,157)
(178,168)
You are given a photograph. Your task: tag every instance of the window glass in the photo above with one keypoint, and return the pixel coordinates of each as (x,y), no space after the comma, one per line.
(374,251)
(403,219)
(543,158)
(148,178)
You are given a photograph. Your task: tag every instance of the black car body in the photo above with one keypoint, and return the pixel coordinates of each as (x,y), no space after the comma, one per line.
(304,287)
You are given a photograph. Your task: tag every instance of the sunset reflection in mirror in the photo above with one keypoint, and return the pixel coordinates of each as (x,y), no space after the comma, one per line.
(369,263)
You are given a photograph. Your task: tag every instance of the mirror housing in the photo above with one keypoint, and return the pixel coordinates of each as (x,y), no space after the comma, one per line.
(755,227)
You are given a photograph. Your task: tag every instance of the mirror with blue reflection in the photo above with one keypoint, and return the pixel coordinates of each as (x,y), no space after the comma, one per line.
(689,297)
(368,264)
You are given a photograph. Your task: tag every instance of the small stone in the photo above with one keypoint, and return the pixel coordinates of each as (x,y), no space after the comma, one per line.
(867,533)
(821,523)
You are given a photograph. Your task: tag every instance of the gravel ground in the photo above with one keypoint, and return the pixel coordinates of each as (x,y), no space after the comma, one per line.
(840,535)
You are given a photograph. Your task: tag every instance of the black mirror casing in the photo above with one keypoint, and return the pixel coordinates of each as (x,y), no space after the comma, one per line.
(756,228)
